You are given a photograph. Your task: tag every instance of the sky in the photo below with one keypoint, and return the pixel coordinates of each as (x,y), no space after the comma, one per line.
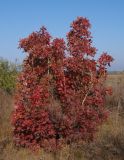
(19,18)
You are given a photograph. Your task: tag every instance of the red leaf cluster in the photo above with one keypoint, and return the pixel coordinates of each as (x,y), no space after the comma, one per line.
(60,94)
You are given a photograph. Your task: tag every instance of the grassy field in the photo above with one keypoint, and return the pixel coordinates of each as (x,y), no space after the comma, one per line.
(108,144)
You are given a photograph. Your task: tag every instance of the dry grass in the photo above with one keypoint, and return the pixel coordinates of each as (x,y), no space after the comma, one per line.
(108,145)
(117,98)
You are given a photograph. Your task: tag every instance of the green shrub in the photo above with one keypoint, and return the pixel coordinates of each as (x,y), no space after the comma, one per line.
(8,74)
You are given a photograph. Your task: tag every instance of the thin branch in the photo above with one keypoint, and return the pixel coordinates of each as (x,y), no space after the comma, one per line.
(91,85)
(48,66)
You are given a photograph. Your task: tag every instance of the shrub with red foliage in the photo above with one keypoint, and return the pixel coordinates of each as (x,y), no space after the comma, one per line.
(60,93)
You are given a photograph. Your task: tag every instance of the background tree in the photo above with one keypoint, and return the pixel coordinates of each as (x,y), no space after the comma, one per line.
(60,95)
(8,74)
